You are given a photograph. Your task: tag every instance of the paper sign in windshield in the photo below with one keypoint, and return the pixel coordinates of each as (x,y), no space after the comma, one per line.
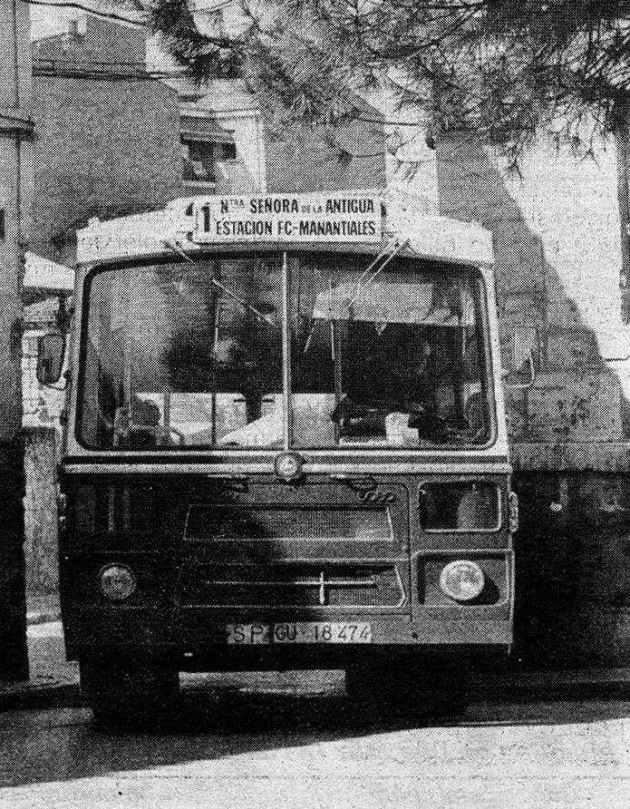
(288,218)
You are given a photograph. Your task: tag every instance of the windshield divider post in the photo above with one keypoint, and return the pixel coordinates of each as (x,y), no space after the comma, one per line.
(337,371)
(127,392)
(166,394)
(216,322)
(459,377)
(286,355)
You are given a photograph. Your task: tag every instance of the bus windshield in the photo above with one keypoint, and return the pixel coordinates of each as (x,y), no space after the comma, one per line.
(194,354)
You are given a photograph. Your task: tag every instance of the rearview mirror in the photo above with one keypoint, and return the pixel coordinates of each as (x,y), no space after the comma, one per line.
(525,354)
(50,356)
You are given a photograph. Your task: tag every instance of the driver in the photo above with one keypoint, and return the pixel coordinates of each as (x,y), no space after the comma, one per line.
(395,375)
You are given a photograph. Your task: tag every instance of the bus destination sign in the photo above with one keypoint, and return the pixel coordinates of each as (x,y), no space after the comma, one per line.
(342,216)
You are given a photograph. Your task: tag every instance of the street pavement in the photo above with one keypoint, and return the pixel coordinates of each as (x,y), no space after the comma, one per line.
(294,740)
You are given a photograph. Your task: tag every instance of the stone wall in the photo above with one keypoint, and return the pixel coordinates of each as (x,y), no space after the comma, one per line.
(40,510)
(558,262)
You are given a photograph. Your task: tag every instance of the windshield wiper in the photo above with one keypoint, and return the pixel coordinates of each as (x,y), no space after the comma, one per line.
(176,248)
(362,284)
(243,303)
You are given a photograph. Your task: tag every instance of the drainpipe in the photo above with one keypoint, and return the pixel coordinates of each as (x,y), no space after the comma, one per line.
(623,198)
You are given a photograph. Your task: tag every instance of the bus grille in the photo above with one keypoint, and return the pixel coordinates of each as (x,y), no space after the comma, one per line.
(312,586)
(315,522)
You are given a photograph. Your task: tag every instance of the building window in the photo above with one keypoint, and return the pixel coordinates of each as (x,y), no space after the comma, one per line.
(198,161)
(228,151)
(201,158)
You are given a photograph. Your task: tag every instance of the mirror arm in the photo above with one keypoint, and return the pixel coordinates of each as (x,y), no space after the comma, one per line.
(522,385)
(64,314)
(47,361)
(53,386)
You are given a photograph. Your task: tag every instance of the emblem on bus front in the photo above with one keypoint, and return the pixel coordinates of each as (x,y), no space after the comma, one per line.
(288,466)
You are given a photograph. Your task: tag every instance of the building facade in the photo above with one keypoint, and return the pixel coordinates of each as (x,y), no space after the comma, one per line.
(114,138)
(108,133)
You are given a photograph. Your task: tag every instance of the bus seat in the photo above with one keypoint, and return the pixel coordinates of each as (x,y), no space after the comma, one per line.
(190,414)
(270,403)
(265,431)
(197,418)
(231,413)
(397,430)
(312,425)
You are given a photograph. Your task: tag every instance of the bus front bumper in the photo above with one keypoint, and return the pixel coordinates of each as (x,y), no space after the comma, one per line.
(202,640)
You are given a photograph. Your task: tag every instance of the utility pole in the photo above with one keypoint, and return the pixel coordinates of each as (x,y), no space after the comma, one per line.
(16,182)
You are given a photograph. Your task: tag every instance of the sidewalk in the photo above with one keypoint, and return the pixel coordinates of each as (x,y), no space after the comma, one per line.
(42,609)
(54,682)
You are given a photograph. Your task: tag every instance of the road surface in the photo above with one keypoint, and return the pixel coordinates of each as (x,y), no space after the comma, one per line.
(295,741)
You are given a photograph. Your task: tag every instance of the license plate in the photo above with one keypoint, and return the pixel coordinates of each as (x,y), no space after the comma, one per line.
(305,632)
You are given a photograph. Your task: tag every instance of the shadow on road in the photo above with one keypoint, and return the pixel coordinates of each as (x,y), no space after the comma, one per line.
(210,721)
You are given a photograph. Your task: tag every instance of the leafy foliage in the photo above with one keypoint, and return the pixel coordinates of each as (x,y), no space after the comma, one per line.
(503,68)
(202,55)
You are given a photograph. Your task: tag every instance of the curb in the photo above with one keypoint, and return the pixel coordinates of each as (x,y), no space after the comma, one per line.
(33,618)
(42,610)
(576,684)
(521,686)
(42,696)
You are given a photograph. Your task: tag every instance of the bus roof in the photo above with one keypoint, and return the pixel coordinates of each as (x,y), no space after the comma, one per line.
(356,221)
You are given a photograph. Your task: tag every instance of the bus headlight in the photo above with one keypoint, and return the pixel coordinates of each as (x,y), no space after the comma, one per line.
(462,580)
(117,582)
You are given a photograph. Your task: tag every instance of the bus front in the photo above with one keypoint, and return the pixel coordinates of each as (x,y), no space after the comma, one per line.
(283,453)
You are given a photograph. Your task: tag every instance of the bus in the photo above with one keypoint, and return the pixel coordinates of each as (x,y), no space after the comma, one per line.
(285,448)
